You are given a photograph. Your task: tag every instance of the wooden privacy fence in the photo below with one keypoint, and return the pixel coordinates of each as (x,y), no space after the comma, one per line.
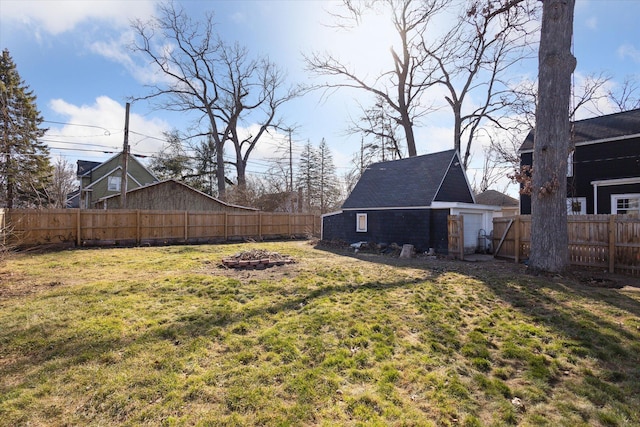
(27,227)
(611,242)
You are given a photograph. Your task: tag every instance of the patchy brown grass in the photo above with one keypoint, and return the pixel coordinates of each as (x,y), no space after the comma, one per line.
(166,336)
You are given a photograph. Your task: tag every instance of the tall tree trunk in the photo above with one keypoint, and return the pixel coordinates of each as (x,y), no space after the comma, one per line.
(9,177)
(241,171)
(549,236)
(457,130)
(220,170)
(408,131)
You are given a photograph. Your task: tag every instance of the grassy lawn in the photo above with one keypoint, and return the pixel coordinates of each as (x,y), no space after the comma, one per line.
(165,336)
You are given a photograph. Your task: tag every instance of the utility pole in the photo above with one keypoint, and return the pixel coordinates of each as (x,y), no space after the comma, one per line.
(125,160)
(290,171)
(361,155)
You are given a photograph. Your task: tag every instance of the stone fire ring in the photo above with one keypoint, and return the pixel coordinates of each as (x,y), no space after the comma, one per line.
(258,264)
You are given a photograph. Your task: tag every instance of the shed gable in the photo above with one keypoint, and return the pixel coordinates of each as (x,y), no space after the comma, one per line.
(410,183)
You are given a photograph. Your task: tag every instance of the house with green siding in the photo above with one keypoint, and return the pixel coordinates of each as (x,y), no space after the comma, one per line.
(100,180)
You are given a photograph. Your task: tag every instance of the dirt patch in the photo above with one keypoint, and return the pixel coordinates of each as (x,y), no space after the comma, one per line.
(599,279)
(13,285)
(476,264)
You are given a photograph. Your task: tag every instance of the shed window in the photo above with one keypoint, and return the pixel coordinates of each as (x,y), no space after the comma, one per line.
(114,183)
(361,223)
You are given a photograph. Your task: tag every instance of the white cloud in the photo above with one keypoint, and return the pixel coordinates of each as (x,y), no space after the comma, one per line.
(432,139)
(117,50)
(592,23)
(56,17)
(628,50)
(100,127)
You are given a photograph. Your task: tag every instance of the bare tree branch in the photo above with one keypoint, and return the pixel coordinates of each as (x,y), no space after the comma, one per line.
(199,72)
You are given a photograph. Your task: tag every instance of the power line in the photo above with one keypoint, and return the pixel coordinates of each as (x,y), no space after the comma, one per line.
(74,143)
(106,131)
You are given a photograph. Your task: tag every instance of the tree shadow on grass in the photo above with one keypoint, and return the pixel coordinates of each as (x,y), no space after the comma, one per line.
(201,323)
(500,269)
(575,312)
(68,349)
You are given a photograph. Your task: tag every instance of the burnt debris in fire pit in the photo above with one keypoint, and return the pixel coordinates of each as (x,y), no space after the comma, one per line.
(256,258)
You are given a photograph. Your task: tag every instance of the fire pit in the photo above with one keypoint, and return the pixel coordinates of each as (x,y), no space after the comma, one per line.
(256,259)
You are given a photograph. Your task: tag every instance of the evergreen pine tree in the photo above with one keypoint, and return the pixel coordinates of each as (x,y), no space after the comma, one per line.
(25,167)
(328,186)
(172,161)
(309,176)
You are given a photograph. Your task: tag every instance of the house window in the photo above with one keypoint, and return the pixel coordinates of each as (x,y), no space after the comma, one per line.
(625,204)
(570,164)
(114,183)
(577,206)
(361,223)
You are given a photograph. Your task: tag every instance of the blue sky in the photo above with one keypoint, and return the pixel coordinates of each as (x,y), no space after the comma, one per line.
(73,55)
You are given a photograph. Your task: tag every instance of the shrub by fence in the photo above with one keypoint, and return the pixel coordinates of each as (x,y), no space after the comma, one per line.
(31,227)
(611,242)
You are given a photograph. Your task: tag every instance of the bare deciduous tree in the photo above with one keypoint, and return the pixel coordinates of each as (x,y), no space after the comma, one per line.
(626,96)
(377,124)
(221,82)
(401,87)
(549,237)
(63,182)
(590,94)
(472,61)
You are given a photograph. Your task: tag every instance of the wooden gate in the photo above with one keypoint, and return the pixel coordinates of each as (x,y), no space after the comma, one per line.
(455,233)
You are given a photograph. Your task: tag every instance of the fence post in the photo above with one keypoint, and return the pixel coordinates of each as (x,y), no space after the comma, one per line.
(612,243)
(138,227)
(461,234)
(226,232)
(186,226)
(78,229)
(517,240)
(3,226)
(290,215)
(260,225)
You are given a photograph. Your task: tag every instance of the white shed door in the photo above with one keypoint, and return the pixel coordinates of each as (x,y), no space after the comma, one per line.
(472,225)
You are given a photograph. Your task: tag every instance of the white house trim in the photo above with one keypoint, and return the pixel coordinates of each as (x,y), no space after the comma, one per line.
(596,141)
(615,197)
(389,208)
(609,182)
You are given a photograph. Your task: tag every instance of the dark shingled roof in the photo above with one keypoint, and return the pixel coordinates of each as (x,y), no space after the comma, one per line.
(85,166)
(496,198)
(603,127)
(409,182)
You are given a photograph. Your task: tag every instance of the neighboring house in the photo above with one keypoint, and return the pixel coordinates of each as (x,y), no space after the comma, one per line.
(286,201)
(509,206)
(170,195)
(603,172)
(407,201)
(73,199)
(99,180)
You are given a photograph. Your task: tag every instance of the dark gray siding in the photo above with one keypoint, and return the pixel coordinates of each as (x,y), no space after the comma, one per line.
(610,160)
(605,192)
(526,159)
(422,228)
(440,230)
(595,162)
(454,186)
(334,227)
